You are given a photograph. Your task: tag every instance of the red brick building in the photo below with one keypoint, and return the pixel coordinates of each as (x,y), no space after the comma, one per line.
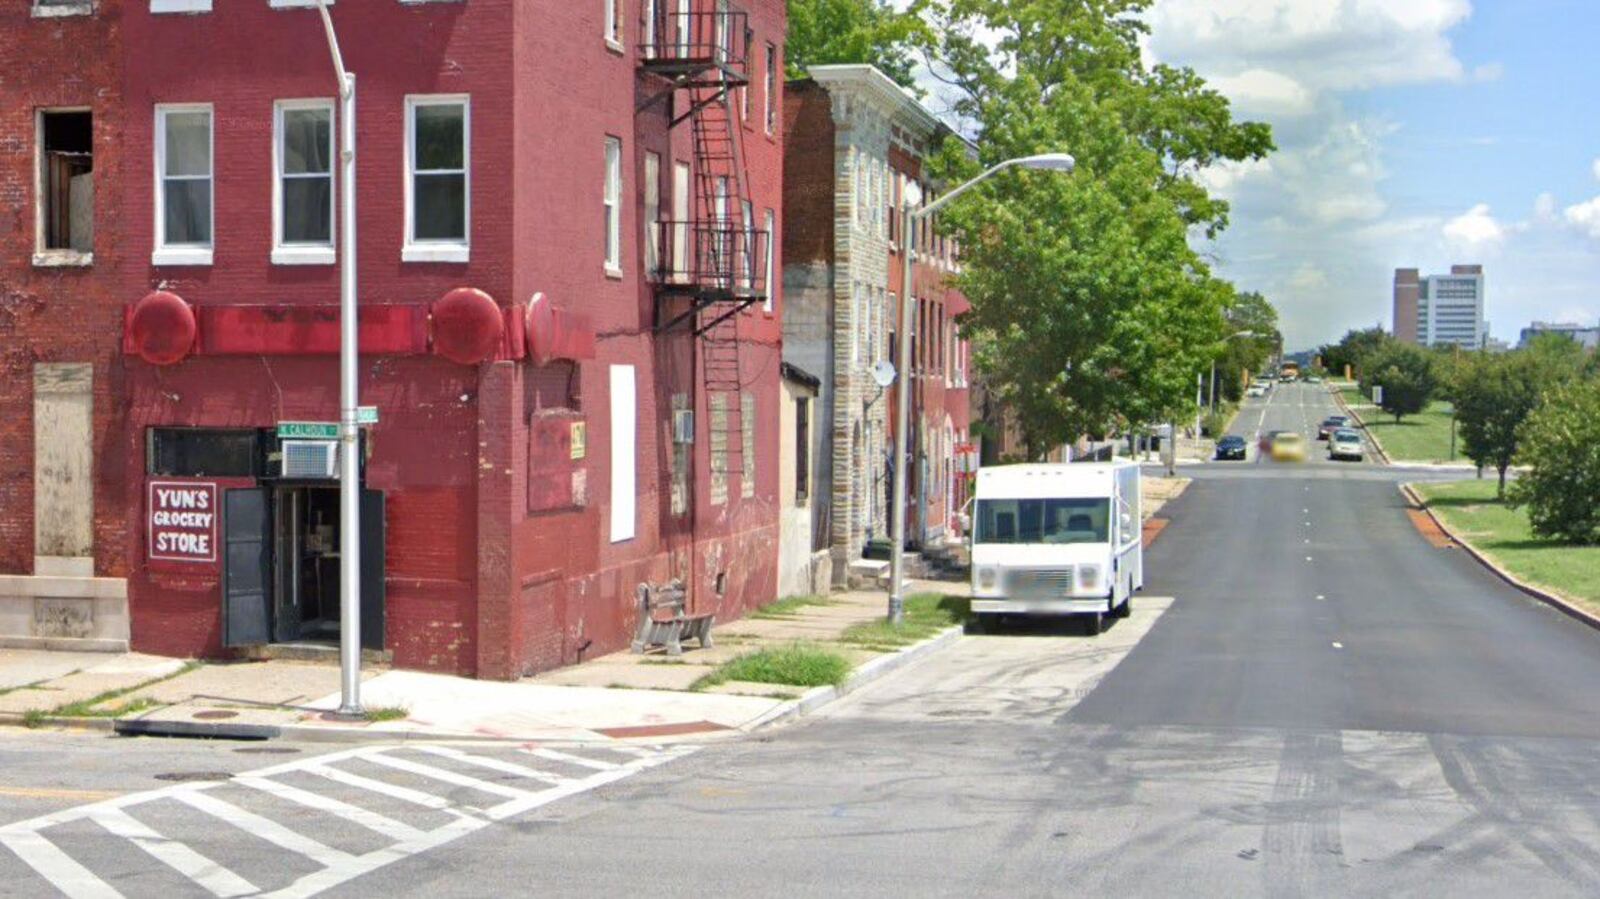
(573,389)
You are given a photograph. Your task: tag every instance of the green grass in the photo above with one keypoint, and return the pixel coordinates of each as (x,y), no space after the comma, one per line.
(1471,510)
(793,665)
(386,713)
(926,614)
(789,606)
(1424,437)
(95,706)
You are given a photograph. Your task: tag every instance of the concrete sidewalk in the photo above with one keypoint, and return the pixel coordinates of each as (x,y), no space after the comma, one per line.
(616,697)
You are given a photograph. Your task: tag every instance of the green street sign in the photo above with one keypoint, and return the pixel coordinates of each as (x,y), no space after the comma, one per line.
(366,415)
(308,430)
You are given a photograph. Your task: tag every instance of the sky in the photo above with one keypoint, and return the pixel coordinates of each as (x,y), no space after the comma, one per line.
(1411,134)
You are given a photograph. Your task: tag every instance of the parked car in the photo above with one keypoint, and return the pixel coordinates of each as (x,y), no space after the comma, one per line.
(1256,390)
(1265,443)
(1288,446)
(1313,379)
(1231,447)
(1346,444)
(1330,424)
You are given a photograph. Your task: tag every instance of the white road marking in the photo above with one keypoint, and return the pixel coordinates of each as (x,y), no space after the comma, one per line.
(191,864)
(449,777)
(1308,558)
(404,794)
(1321,597)
(265,828)
(57,867)
(555,756)
(1338,645)
(372,821)
(29,841)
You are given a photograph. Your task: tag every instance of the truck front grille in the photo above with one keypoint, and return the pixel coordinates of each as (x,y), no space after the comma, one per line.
(1028,583)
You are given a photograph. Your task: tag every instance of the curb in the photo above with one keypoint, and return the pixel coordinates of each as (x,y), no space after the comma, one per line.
(12,719)
(819,697)
(1338,398)
(1561,605)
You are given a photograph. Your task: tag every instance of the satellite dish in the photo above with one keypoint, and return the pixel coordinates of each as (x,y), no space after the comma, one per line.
(883,373)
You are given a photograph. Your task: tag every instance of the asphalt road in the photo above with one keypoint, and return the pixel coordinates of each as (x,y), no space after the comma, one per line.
(1309,699)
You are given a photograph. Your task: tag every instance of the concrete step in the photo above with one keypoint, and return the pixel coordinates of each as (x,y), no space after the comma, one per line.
(865,573)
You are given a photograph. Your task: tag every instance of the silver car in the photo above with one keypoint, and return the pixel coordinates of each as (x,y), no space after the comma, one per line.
(1345,444)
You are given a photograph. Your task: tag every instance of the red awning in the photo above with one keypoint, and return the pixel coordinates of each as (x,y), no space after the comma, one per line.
(556,333)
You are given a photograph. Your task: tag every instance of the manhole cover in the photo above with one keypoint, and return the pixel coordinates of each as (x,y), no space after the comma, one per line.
(195,776)
(214,715)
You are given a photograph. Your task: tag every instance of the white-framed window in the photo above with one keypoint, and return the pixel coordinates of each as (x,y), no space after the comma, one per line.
(438,173)
(770,93)
(292,4)
(160,6)
(650,29)
(680,219)
(652,213)
(302,182)
(772,244)
(613,204)
(684,27)
(747,212)
(185,205)
(64,187)
(613,23)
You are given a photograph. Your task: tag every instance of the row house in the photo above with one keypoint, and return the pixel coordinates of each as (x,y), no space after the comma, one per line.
(569,324)
(856,152)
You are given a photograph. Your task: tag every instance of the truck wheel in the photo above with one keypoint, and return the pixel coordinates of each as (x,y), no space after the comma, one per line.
(978,623)
(1126,608)
(1094,624)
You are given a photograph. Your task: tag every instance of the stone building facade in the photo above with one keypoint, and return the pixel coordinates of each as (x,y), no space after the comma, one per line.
(840,312)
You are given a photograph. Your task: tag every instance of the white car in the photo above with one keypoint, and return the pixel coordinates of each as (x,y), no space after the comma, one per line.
(1257,389)
(1345,444)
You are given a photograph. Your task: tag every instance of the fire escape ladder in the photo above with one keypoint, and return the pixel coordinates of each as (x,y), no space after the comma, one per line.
(719,355)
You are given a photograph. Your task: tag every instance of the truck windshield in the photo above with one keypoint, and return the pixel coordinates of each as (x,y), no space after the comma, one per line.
(1043,521)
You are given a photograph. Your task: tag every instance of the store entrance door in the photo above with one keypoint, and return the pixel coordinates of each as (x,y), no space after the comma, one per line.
(281,583)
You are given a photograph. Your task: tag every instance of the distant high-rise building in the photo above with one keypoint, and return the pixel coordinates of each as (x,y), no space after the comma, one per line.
(1587,335)
(1440,310)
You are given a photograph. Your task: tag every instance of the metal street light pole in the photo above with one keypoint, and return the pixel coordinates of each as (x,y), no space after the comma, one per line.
(1059,162)
(349,385)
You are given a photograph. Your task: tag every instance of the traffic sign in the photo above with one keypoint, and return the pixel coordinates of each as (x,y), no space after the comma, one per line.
(308,430)
(366,415)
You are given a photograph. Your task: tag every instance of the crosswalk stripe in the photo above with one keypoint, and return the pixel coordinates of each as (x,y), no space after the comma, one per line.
(449,777)
(578,760)
(370,820)
(266,829)
(57,867)
(492,764)
(177,856)
(404,794)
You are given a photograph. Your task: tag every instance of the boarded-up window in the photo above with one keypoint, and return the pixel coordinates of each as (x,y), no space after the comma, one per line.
(747,431)
(682,451)
(802,450)
(624,446)
(719,448)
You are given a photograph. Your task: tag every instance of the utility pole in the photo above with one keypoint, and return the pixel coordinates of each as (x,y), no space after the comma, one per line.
(349,399)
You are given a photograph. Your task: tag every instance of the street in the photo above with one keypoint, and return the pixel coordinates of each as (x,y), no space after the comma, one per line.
(1309,699)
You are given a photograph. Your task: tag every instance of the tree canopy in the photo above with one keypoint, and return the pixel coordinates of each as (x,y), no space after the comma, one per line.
(1090,307)
(827,32)
(1406,374)
(1495,393)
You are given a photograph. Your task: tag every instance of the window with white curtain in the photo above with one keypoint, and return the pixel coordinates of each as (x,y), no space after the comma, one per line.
(303,186)
(184,196)
(613,204)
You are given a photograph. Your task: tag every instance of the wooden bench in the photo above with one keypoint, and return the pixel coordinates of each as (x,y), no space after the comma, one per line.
(662,621)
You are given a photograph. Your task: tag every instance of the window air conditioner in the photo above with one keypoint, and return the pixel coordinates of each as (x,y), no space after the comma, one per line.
(683,426)
(310,459)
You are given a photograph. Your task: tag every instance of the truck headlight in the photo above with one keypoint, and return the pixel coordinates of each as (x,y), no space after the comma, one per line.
(987,577)
(1088,577)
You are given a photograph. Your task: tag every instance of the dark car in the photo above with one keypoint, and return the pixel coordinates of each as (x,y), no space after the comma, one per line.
(1231,447)
(1330,424)
(1265,443)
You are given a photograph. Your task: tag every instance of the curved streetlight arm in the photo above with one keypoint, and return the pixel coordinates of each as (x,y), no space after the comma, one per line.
(1056,161)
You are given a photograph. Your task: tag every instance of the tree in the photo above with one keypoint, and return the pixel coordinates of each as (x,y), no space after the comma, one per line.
(1560,442)
(1253,313)
(1494,394)
(1405,372)
(1350,350)
(1089,306)
(827,32)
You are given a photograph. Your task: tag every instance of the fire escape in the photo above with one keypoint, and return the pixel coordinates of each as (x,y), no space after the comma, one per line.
(712,257)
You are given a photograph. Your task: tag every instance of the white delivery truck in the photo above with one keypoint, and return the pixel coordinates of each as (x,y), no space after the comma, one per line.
(1057,540)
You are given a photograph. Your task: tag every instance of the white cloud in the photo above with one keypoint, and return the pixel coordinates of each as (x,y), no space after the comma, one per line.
(1265,93)
(1597,169)
(1475,232)
(1585,217)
